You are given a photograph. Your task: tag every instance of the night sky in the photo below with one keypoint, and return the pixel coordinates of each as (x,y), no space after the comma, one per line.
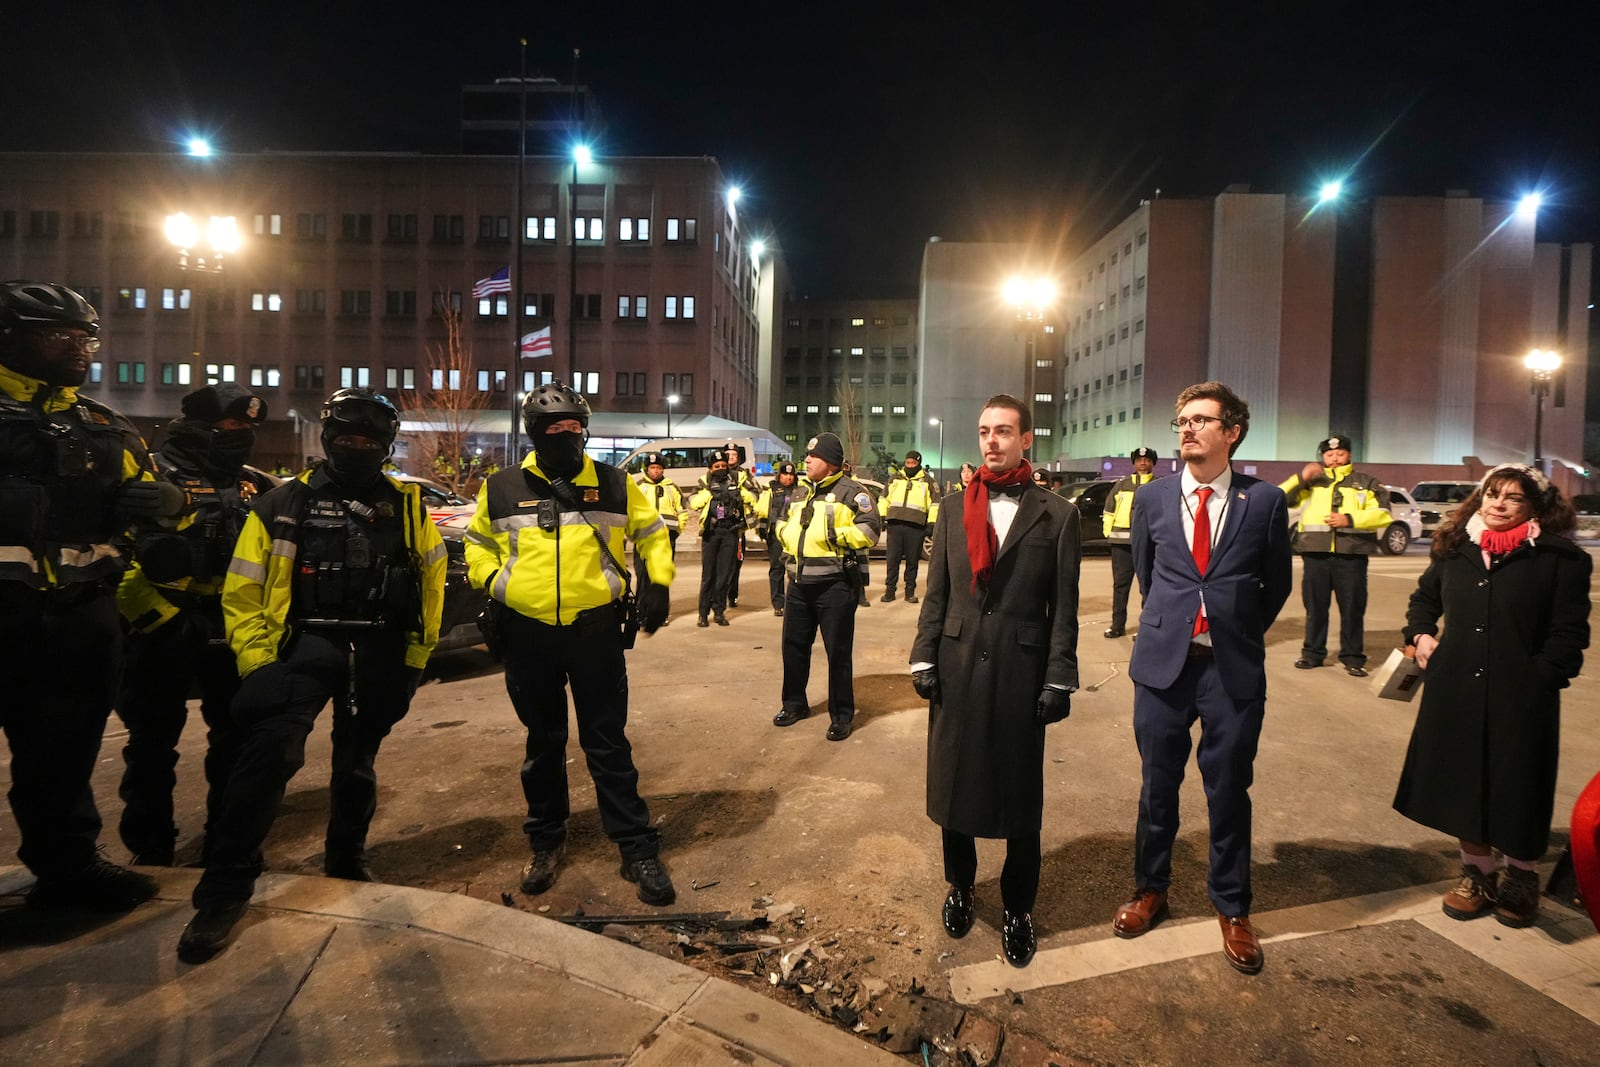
(858,132)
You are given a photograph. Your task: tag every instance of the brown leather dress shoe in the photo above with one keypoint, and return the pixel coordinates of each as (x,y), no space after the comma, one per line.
(1239,944)
(1148,907)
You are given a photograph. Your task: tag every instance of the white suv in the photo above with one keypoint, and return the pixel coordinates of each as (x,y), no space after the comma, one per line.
(1407,525)
(1438,499)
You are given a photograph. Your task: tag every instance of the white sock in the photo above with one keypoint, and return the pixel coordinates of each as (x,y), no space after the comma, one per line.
(1484,863)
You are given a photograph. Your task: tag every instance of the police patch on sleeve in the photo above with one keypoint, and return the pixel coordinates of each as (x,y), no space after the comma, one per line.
(863,503)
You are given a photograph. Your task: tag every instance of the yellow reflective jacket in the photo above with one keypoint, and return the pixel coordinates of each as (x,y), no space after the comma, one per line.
(1117,519)
(666,497)
(542,558)
(828,521)
(703,498)
(257,592)
(1338,490)
(910,498)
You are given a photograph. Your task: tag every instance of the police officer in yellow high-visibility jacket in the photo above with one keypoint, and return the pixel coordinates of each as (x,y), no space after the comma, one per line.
(831,523)
(1117,524)
(335,592)
(668,501)
(911,506)
(1341,514)
(546,542)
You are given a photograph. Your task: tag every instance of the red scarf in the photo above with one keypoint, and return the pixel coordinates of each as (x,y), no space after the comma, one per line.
(1499,542)
(982,543)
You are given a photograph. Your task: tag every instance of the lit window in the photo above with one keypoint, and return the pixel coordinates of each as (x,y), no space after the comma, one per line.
(688,307)
(858,321)
(898,409)
(791,409)
(1043,398)
(877,409)
(96,371)
(1041,431)
(833,409)
(811,409)
(856,351)
(672,307)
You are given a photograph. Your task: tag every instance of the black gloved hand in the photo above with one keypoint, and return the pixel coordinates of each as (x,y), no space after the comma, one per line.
(763,530)
(411,678)
(654,606)
(144,501)
(926,683)
(1054,705)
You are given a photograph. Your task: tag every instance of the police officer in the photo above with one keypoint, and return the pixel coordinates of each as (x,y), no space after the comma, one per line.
(725,508)
(546,543)
(335,592)
(172,600)
(911,506)
(1117,523)
(771,507)
(661,492)
(831,524)
(72,477)
(1341,514)
(748,484)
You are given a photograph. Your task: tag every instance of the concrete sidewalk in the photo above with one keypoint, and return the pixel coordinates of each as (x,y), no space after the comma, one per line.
(324,971)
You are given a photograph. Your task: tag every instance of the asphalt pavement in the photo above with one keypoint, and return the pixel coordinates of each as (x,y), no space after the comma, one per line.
(1362,966)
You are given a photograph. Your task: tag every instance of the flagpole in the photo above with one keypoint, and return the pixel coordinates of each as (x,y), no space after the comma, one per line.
(514,383)
(572,236)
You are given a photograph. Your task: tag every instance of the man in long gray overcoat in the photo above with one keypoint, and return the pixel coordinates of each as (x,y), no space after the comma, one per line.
(996,654)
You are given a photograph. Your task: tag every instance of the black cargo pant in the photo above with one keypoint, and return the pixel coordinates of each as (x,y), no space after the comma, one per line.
(541,661)
(274,710)
(162,668)
(904,543)
(718,571)
(777,575)
(1341,576)
(60,656)
(1121,583)
(830,606)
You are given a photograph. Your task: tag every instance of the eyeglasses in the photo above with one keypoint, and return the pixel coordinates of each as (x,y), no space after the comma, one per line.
(61,338)
(1197,422)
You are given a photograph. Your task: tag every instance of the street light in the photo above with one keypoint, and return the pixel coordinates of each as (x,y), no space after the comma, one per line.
(1542,363)
(201,256)
(939,423)
(1030,298)
(672,402)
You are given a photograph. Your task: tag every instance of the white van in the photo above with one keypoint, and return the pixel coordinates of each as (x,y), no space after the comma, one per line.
(687,459)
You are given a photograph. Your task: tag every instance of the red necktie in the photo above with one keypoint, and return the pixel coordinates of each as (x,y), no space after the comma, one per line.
(1201,548)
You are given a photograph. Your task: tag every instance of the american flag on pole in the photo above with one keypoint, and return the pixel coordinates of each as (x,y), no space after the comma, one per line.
(537,344)
(498,282)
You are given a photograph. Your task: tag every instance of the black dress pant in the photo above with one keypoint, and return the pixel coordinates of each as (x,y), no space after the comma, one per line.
(541,661)
(1121,584)
(162,668)
(274,711)
(60,656)
(718,555)
(904,543)
(1343,577)
(777,574)
(1019,878)
(830,606)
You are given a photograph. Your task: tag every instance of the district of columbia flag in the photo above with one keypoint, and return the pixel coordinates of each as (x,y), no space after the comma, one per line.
(537,344)
(498,282)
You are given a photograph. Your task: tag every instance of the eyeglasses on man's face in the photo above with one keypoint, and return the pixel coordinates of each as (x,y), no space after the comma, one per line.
(1195,422)
(65,338)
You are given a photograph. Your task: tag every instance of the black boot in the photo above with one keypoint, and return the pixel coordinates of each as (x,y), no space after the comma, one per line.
(209,932)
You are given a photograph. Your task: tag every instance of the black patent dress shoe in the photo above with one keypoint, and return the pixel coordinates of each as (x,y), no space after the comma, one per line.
(958,911)
(1016,938)
(1307,664)
(1355,672)
(1114,631)
(790,716)
(838,731)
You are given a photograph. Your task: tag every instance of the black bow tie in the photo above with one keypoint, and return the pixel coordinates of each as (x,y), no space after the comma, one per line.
(1012,491)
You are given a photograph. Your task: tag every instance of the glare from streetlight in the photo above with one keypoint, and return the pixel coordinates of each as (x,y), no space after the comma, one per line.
(933,422)
(582,154)
(734,193)
(199,147)
(1528,206)
(1034,294)
(673,399)
(1542,361)
(1330,191)
(223,233)
(758,248)
(181,230)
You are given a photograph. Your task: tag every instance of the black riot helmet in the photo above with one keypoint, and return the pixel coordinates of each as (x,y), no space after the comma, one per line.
(362,412)
(45,304)
(549,403)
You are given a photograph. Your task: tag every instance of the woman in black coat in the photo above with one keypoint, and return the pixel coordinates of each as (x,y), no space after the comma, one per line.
(1514,595)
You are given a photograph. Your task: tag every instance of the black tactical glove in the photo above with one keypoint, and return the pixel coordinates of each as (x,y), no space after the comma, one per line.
(146,501)
(762,529)
(1054,705)
(654,606)
(926,683)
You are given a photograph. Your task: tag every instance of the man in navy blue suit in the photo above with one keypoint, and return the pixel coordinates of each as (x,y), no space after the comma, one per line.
(1211,551)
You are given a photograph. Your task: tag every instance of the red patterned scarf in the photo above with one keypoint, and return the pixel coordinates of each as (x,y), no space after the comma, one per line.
(1499,542)
(982,543)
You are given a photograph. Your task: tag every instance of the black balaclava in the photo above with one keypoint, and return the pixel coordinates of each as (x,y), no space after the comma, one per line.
(221,454)
(560,454)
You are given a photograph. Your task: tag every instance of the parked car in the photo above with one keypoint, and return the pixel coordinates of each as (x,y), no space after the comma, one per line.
(1407,525)
(1437,499)
(1090,498)
(451,513)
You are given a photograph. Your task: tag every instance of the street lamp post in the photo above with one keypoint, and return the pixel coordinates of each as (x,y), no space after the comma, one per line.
(939,423)
(1542,363)
(1030,298)
(201,258)
(672,402)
